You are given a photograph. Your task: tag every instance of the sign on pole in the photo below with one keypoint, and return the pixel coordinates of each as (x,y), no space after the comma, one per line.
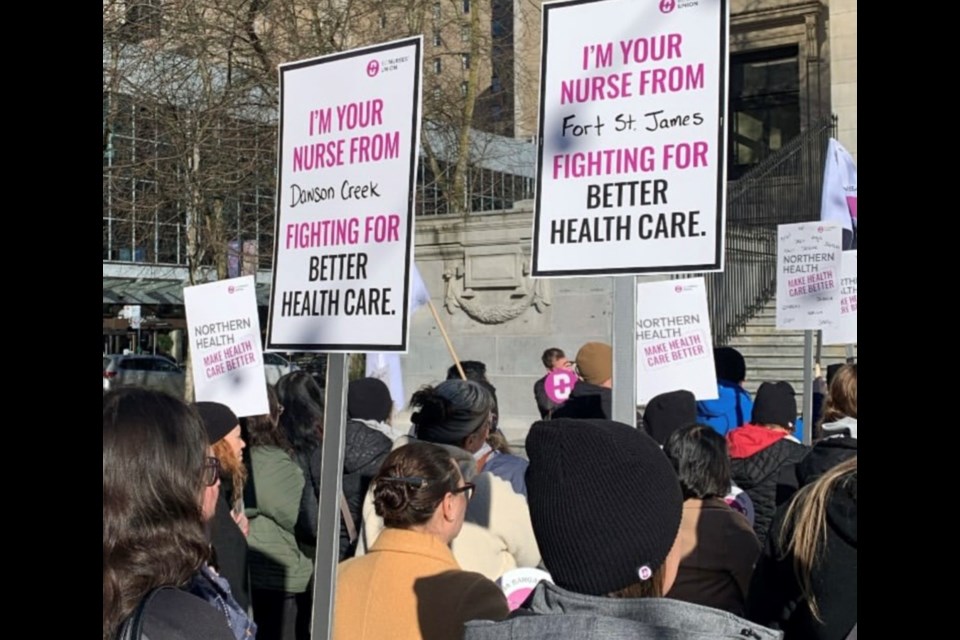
(630,175)
(808,275)
(227,359)
(349,138)
(845,330)
(674,347)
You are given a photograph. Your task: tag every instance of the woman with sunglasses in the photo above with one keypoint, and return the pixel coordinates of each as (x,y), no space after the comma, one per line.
(157,480)
(498,535)
(409,585)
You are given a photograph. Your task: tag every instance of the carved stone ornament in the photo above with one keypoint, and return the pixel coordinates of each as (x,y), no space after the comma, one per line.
(486,306)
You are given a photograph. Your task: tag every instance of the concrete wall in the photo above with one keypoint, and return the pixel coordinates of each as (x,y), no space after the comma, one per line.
(475,269)
(843,90)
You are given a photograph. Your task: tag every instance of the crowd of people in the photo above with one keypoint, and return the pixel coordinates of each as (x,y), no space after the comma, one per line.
(706,519)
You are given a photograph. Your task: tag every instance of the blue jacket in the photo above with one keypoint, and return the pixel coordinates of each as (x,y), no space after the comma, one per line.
(730,410)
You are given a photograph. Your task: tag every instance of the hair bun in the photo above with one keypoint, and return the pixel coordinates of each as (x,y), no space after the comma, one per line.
(391,496)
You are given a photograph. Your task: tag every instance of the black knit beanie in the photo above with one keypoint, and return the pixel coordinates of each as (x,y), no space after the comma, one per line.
(218,419)
(729,364)
(668,412)
(604,501)
(776,403)
(368,399)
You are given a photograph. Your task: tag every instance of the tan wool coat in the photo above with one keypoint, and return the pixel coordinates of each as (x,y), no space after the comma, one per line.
(409,586)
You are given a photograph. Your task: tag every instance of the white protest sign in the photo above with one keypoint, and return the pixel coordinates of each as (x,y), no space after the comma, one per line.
(808,275)
(349,138)
(845,330)
(674,344)
(224,329)
(630,174)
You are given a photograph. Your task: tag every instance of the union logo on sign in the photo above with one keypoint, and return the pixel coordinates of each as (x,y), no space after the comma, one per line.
(373,68)
(230,289)
(666,6)
(559,384)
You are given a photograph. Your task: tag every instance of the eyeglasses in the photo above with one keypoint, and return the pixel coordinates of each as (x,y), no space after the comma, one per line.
(211,471)
(467,490)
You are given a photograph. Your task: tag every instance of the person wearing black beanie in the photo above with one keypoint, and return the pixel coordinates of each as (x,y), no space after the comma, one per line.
(733,405)
(668,412)
(368,440)
(764,454)
(606,504)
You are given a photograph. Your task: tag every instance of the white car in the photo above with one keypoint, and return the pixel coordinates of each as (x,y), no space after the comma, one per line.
(276,366)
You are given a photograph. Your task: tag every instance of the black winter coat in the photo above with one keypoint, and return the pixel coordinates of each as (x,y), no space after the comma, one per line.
(364,451)
(824,456)
(775,599)
(769,477)
(230,547)
(587,401)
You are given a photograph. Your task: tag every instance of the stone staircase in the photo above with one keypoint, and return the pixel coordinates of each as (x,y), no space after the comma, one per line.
(773,355)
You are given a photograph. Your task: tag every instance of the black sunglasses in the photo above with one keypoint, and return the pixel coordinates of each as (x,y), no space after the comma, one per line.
(467,489)
(211,471)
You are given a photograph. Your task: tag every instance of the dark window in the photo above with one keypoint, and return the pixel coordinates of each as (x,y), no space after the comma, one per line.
(764,105)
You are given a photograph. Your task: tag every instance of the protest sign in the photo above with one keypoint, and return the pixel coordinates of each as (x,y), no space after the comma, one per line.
(674,344)
(845,330)
(224,329)
(349,138)
(631,175)
(808,275)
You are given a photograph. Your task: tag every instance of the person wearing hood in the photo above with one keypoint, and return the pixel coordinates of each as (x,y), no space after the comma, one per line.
(606,506)
(367,441)
(764,454)
(805,582)
(591,397)
(838,428)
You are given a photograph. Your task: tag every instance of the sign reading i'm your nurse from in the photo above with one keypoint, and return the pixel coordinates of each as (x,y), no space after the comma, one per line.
(349,138)
(631,175)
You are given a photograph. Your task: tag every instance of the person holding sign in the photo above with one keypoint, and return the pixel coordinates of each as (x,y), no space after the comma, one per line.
(409,585)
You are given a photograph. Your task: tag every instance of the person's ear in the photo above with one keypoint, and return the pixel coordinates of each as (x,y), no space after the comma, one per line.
(448,504)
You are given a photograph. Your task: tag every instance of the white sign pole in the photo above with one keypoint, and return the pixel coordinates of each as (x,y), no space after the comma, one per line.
(328,512)
(624,398)
(630,173)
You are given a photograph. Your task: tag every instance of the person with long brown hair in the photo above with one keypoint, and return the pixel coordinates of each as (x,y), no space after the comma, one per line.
(409,585)
(229,526)
(156,477)
(806,580)
(838,428)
